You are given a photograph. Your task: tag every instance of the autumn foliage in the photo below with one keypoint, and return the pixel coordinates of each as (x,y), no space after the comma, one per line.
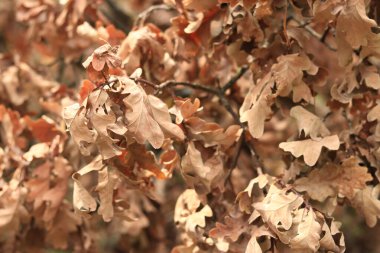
(186,126)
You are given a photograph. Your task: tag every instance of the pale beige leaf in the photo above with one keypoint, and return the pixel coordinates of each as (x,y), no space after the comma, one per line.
(366,202)
(82,199)
(253,246)
(106,183)
(310,149)
(187,214)
(310,124)
(308,232)
(277,207)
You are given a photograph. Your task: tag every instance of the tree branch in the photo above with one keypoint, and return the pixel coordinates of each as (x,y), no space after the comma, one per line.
(187,84)
(313,33)
(119,18)
(234,79)
(140,20)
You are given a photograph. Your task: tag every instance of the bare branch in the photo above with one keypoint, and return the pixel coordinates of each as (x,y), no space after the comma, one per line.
(234,79)
(315,34)
(140,20)
(188,84)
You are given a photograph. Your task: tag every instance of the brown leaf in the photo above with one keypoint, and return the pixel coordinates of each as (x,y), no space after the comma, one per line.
(366,202)
(148,117)
(310,149)
(277,207)
(332,179)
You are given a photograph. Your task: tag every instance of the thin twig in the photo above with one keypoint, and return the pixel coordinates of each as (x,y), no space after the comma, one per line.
(312,32)
(188,84)
(119,17)
(255,157)
(141,80)
(140,20)
(234,79)
(234,160)
(324,35)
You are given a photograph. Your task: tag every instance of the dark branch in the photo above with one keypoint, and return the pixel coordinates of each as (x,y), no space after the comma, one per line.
(191,85)
(118,17)
(234,79)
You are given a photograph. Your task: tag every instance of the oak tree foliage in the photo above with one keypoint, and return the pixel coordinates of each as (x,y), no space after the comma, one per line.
(186,126)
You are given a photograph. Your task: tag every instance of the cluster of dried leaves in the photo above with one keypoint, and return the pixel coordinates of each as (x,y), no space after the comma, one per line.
(204,126)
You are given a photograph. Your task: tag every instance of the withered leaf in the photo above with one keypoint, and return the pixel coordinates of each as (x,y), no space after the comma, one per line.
(148,117)
(310,124)
(310,149)
(277,207)
(366,202)
(333,179)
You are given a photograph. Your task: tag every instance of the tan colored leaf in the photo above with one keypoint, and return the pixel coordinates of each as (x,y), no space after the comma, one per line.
(353,23)
(308,231)
(103,55)
(310,149)
(76,121)
(371,76)
(148,117)
(202,176)
(310,124)
(332,239)
(290,68)
(232,229)
(366,202)
(211,133)
(333,179)
(82,199)
(277,207)
(187,212)
(184,109)
(253,246)
(286,74)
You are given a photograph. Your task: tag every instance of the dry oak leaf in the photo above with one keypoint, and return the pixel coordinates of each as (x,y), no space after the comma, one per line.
(212,133)
(366,202)
(253,246)
(148,117)
(332,239)
(43,129)
(103,55)
(49,185)
(277,207)
(232,229)
(184,109)
(289,71)
(76,121)
(370,76)
(65,223)
(310,124)
(256,107)
(374,114)
(307,232)
(286,75)
(202,176)
(188,212)
(146,46)
(138,160)
(353,24)
(83,200)
(332,179)
(310,149)
(11,199)
(250,193)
